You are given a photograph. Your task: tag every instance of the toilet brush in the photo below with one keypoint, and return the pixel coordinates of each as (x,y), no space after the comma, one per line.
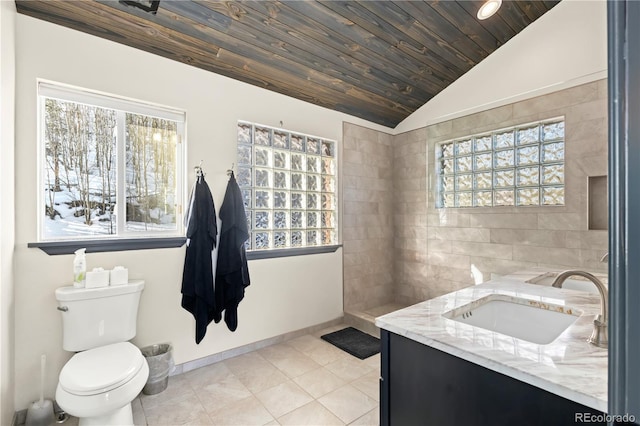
(40,413)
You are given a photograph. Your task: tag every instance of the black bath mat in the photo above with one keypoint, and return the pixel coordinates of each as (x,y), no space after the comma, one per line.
(355,342)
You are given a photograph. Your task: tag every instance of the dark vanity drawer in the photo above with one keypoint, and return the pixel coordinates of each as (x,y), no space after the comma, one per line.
(422,386)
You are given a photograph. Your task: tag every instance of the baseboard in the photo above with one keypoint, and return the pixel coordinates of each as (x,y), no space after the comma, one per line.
(221,356)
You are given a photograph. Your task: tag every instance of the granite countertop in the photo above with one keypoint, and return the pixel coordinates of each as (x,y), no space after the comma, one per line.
(569,366)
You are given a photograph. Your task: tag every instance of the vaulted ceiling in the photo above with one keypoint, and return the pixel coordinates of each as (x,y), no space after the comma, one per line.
(378,60)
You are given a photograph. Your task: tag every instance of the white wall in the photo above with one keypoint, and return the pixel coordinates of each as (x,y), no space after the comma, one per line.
(7,83)
(285,294)
(565,47)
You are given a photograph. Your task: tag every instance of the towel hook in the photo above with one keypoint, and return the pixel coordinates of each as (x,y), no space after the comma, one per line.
(230,171)
(198,170)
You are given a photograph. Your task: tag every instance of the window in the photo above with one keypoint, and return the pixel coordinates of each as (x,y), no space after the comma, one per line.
(111,168)
(288,182)
(519,166)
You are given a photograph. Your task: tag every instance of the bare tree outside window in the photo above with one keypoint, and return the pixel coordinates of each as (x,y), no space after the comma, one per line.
(150,147)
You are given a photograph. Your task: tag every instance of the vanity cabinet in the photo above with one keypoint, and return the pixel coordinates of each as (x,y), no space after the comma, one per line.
(420,386)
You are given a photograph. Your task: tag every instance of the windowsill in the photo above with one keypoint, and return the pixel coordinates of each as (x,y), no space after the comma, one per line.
(97,246)
(301,251)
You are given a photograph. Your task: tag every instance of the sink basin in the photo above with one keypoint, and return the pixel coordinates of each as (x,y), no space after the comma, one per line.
(571,283)
(530,320)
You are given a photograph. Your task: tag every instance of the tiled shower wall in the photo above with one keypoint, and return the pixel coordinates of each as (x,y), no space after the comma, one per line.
(399,248)
(410,215)
(437,251)
(367,227)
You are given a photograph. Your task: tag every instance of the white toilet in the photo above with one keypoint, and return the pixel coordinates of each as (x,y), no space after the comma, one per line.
(99,382)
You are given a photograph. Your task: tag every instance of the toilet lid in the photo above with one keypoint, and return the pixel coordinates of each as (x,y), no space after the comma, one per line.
(101,369)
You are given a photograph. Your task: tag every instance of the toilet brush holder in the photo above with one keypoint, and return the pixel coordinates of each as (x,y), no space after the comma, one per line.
(40,413)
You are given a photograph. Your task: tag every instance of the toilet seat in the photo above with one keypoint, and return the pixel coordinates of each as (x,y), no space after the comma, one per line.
(91,407)
(102,369)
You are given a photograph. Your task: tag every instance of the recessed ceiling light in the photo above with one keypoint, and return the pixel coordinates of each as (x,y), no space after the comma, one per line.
(489,8)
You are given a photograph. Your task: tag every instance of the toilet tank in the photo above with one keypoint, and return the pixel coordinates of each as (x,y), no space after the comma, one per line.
(93,317)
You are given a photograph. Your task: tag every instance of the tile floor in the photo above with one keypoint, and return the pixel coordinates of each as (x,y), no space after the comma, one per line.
(304,381)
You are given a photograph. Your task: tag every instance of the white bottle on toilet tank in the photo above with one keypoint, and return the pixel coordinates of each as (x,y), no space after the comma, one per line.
(79,268)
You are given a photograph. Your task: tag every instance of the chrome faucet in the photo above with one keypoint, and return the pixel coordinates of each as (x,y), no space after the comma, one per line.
(605,258)
(599,336)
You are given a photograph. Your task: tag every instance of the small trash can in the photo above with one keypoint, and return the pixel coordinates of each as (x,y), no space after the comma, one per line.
(160,360)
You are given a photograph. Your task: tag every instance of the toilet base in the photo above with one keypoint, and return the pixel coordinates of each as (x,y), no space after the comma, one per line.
(122,416)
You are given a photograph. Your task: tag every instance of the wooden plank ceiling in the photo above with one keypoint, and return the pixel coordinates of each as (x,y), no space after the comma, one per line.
(378,60)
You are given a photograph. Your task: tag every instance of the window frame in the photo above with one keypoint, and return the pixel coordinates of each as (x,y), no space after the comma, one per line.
(123,239)
(290,250)
(441,175)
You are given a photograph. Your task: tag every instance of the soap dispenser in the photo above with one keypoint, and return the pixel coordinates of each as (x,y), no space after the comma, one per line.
(79,268)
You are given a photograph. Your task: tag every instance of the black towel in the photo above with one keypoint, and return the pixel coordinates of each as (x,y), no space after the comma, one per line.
(197,277)
(232,273)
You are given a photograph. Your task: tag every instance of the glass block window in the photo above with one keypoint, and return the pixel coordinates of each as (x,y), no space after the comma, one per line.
(288,182)
(519,166)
